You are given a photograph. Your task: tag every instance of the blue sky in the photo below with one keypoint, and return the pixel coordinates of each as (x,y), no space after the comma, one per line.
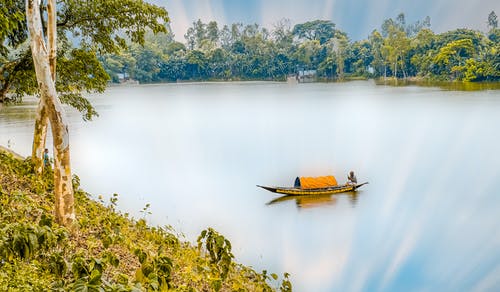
(357,17)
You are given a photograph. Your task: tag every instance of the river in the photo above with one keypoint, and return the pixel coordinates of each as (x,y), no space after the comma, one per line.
(428,219)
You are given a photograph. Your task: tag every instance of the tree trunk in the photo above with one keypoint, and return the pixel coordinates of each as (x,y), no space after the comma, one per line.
(52,36)
(42,121)
(396,68)
(39,137)
(63,188)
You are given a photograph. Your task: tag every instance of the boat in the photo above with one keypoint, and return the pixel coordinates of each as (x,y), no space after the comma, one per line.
(304,186)
(289,191)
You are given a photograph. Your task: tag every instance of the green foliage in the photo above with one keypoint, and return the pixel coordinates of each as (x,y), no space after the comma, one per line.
(26,241)
(286,285)
(492,20)
(320,30)
(248,52)
(219,249)
(12,25)
(155,272)
(106,250)
(100,26)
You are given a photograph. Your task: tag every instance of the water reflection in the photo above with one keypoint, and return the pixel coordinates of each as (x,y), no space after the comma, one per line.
(313,201)
(445,85)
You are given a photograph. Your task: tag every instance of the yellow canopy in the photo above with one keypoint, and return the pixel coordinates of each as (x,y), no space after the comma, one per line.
(317,182)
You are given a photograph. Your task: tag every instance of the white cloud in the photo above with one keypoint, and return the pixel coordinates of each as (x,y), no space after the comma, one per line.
(179,20)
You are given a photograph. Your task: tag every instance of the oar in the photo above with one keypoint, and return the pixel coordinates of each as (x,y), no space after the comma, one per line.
(360,185)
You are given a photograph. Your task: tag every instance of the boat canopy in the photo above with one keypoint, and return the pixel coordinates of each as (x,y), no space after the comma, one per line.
(315,182)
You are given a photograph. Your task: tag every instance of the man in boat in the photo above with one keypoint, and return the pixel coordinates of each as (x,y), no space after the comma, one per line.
(351,179)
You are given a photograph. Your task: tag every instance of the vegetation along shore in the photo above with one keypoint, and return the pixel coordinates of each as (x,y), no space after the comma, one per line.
(104,250)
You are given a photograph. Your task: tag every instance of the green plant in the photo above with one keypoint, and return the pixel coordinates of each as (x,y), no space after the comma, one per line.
(154,272)
(286,285)
(145,211)
(219,249)
(25,240)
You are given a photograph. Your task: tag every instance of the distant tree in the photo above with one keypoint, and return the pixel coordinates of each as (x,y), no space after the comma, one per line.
(213,32)
(358,58)
(492,20)
(282,32)
(400,24)
(415,28)
(320,30)
(454,55)
(340,44)
(196,62)
(396,45)
(423,50)
(148,63)
(307,53)
(196,34)
(379,61)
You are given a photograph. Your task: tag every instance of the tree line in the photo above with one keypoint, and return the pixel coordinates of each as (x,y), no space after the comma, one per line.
(250,52)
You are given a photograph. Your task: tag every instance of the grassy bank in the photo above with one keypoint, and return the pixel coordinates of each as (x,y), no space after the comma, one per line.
(105,250)
(445,85)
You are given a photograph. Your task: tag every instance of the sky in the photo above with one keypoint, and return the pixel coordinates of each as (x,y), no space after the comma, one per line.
(356,17)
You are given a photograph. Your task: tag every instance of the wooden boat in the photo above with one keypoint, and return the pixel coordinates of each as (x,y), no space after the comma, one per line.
(297,191)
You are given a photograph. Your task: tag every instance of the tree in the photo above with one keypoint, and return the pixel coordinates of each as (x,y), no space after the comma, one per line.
(359,58)
(282,33)
(196,63)
(50,107)
(423,52)
(340,44)
(320,30)
(96,24)
(196,34)
(395,46)
(492,20)
(213,32)
(454,55)
(376,42)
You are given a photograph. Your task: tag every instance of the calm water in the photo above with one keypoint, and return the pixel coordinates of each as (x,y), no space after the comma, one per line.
(428,220)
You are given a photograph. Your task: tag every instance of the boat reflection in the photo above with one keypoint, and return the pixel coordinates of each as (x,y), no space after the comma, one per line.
(312,201)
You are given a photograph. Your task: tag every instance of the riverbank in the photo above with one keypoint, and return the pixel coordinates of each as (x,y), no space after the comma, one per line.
(390,81)
(446,85)
(105,250)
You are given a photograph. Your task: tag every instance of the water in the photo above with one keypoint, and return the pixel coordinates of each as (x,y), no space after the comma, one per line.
(428,220)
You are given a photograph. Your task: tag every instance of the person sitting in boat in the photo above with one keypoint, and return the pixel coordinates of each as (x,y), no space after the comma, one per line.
(351,179)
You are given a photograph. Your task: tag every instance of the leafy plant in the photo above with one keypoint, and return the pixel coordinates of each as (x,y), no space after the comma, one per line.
(219,249)
(154,272)
(25,240)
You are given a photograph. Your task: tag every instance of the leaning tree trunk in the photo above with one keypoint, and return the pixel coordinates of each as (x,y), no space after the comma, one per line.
(52,36)
(63,188)
(42,120)
(39,136)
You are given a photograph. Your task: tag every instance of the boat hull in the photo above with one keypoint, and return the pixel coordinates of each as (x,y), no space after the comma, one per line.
(320,191)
